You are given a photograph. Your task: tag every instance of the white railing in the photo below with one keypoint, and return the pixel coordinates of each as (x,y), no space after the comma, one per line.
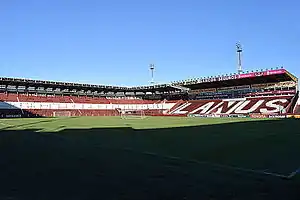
(83,106)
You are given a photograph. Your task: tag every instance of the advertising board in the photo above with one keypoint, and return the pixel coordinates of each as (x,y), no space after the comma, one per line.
(258,116)
(277,116)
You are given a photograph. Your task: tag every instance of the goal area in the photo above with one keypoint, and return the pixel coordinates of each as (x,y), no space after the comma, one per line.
(62,114)
(132,114)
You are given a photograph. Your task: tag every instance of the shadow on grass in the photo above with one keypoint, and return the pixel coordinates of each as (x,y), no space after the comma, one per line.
(109,163)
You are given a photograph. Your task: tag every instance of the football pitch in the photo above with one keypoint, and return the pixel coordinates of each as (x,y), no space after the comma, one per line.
(152,158)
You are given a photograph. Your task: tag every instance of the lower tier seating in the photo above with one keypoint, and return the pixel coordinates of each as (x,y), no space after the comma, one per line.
(13,104)
(297,110)
(271,105)
(297,107)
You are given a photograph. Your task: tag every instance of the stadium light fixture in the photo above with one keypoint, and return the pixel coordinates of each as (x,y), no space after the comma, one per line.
(239,51)
(152,73)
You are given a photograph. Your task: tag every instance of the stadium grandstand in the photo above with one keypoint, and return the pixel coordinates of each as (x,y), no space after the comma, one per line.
(259,94)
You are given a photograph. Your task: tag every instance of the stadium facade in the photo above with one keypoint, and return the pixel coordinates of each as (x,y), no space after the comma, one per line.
(269,93)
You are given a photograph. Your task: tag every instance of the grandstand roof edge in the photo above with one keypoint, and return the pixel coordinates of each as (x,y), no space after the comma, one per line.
(231,76)
(198,80)
(60,83)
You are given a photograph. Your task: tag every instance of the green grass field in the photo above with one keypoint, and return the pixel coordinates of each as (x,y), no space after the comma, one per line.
(153,158)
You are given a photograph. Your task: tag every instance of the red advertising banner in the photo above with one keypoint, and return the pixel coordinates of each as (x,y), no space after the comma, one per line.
(265,73)
(258,116)
(250,75)
(277,71)
(240,76)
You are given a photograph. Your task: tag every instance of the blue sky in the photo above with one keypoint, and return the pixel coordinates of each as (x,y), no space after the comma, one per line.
(113,42)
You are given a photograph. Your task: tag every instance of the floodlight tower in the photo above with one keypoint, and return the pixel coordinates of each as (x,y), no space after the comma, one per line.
(152,73)
(239,51)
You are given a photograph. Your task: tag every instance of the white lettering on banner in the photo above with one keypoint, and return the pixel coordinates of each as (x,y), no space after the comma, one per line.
(220,107)
(217,107)
(204,108)
(230,103)
(234,107)
(277,107)
(240,110)
(178,110)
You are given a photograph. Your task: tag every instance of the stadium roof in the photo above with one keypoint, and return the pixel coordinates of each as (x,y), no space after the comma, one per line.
(267,76)
(17,82)
(257,77)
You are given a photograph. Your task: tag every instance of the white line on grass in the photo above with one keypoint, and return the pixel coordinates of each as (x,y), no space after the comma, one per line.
(172,157)
(294,173)
(149,153)
(263,172)
(216,165)
(5,124)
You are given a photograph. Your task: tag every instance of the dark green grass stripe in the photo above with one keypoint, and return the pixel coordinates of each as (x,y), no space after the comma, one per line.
(179,159)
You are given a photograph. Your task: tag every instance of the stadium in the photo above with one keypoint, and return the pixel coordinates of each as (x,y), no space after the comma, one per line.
(261,94)
(237,133)
(149,100)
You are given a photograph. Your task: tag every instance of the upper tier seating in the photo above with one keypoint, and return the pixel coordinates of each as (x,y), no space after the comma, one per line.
(53,99)
(272,93)
(287,84)
(130,101)
(90,100)
(10,97)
